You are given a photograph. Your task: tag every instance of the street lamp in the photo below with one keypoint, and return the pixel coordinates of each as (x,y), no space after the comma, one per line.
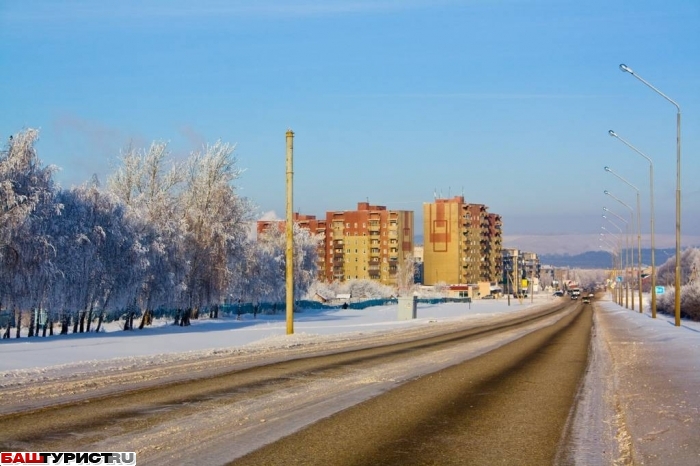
(639,238)
(617,267)
(613,260)
(631,217)
(677,296)
(624,263)
(651,209)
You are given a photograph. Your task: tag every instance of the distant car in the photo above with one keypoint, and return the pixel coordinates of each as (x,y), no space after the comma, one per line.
(488,296)
(586,300)
(574,296)
(558,293)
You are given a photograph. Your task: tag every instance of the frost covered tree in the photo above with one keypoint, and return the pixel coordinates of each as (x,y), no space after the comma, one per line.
(147,182)
(99,255)
(406,276)
(666,275)
(266,267)
(213,226)
(26,195)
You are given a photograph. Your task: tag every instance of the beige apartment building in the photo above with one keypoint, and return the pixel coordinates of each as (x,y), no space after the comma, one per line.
(368,243)
(462,243)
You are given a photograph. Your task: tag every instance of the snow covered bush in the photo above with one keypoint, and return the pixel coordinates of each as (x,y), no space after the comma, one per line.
(357,289)
(690,286)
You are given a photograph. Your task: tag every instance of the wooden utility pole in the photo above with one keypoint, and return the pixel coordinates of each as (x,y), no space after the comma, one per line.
(290,236)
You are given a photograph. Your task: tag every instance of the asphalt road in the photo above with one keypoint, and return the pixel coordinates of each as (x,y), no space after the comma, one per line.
(509,406)
(348,406)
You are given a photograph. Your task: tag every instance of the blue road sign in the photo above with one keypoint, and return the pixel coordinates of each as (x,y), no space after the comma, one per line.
(619,279)
(660,290)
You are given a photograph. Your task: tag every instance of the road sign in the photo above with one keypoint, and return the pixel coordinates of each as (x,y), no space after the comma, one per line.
(619,279)
(660,290)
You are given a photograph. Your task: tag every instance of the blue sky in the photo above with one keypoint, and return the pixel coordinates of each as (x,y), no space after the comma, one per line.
(506,102)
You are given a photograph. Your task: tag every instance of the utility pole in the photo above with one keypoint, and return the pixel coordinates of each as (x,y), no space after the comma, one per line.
(290,236)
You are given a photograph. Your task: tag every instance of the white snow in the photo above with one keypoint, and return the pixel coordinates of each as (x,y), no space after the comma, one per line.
(639,403)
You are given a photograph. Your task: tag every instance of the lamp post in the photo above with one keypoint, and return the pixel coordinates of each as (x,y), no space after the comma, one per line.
(631,217)
(627,69)
(624,300)
(639,238)
(626,229)
(651,215)
(618,293)
(613,263)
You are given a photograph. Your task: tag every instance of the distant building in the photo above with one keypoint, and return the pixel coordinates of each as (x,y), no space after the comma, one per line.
(521,271)
(368,243)
(462,243)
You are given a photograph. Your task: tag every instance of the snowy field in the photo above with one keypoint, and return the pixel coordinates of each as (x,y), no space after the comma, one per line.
(640,402)
(206,335)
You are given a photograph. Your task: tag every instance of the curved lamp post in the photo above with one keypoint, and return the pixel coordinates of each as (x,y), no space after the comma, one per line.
(624,300)
(618,266)
(602,238)
(651,215)
(631,222)
(639,238)
(627,69)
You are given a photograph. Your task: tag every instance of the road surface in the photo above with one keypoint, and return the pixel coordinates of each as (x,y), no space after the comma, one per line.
(453,394)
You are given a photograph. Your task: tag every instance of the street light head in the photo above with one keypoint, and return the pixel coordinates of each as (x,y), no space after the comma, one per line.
(606,192)
(606,209)
(626,68)
(607,169)
(612,133)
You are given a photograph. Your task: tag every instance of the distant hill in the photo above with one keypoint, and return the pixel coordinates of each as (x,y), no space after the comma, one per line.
(602,259)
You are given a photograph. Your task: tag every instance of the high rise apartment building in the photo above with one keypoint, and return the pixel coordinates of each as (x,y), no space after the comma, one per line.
(368,243)
(462,243)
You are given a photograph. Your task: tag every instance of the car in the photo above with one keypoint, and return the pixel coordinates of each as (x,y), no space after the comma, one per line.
(558,293)
(586,300)
(488,296)
(574,296)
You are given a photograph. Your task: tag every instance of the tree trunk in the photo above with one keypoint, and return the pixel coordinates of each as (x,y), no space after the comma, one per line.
(6,334)
(65,323)
(89,318)
(177,318)
(82,321)
(100,318)
(18,321)
(145,319)
(185,321)
(38,323)
(50,326)
(76,321)
(32,313)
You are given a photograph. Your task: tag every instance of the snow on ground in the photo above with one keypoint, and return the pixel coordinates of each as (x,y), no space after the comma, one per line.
(163,340)
(639,404)
(647,371)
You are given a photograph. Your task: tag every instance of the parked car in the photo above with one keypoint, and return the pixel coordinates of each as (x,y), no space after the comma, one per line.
(558,293)
(586,300)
